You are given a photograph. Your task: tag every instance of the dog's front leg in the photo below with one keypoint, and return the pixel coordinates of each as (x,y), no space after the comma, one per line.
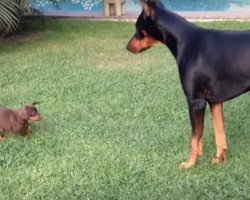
(28,131)
(1,138)
(219,132)
(196,114)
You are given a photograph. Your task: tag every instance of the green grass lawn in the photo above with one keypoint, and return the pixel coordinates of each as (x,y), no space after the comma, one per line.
(115,125)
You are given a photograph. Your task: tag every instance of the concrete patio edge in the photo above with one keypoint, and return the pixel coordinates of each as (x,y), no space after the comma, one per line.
(194,16)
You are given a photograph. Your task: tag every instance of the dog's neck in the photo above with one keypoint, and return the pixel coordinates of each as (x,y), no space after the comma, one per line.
(171,23)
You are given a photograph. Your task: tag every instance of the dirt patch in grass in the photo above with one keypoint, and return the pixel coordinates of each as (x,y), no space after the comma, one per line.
(18,37)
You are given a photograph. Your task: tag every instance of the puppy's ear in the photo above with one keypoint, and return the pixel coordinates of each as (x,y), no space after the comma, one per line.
(35,103)
(23,113)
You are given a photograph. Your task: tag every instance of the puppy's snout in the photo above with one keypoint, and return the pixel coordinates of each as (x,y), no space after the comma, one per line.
(36,117)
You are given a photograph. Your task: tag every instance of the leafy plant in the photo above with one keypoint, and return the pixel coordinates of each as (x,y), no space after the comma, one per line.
(11,12)
(9,16)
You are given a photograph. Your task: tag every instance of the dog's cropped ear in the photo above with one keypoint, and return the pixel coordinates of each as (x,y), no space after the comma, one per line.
(145,8)
(153,1)
(149,12)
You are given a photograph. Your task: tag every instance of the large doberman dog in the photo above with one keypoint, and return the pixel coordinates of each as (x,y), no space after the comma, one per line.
(214,66)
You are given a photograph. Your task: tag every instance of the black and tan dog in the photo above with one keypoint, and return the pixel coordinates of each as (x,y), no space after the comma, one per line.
(214,66)
(17,120)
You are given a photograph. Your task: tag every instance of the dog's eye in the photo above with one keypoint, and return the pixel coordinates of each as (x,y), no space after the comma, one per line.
(32,112)
(139,34)
(144,33)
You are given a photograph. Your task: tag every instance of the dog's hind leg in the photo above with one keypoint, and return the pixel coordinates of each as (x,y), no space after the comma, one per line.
(219,132)
(196,113)
(200,145)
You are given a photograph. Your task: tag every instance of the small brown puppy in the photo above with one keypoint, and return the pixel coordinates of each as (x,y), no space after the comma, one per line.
(17,120)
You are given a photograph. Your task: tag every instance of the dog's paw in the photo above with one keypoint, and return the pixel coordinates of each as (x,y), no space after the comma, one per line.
(186,165)
(217,160)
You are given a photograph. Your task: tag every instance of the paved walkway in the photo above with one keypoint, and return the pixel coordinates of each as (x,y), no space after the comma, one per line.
(199,15)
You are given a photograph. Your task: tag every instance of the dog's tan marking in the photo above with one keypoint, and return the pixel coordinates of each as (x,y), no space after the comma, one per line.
(200,146)
(219,132)
(137,46)
(193,154)
(196,146)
